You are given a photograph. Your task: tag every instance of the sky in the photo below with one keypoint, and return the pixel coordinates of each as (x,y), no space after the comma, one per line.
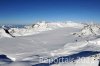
(30,11)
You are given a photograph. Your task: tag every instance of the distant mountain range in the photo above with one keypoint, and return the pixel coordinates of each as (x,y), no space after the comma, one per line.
(14,26)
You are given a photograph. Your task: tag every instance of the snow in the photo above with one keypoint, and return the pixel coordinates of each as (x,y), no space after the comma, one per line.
(38,27)
(17,64)
(3,34)
(50,40)
(88,61)
(90,30)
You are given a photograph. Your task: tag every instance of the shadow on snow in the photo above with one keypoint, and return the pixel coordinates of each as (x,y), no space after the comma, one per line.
(69,58)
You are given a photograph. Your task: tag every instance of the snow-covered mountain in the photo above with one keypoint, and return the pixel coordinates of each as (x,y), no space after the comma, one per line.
(37,28)
(51,44)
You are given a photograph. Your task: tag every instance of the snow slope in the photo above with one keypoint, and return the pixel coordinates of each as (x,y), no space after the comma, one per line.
(88,61)
(3,34)
(38,27)
(49,40)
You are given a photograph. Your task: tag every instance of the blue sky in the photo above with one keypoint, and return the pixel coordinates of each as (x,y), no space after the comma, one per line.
(29,11)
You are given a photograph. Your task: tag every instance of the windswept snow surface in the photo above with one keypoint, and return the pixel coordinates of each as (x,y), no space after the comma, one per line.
(37,43)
